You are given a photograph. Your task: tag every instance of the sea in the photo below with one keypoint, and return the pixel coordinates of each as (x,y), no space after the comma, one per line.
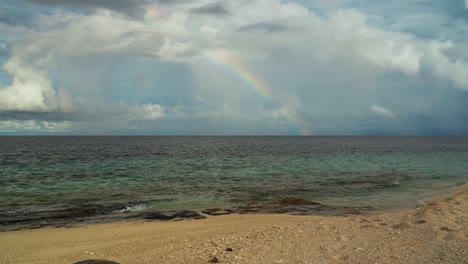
(76,180)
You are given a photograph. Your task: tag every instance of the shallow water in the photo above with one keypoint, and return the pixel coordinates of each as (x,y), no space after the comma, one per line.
(43,175)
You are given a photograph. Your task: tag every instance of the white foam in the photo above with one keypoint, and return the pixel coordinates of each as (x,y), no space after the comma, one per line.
(133,208)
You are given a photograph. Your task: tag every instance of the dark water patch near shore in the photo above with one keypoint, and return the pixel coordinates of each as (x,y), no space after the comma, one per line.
(167,216)
(292,206)
(93,214)
(62,217)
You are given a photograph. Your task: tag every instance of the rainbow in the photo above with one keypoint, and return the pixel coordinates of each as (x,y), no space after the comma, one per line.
(230,62)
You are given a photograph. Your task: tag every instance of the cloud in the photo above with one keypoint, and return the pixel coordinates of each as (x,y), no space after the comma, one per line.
(264,27)
(7,126)
(466,3)
(89,118)
(131,7)
(212,9)
(30,90)
(382,111)
(341,32)
(385,49)
(147,112)
(103,33)
(108,68)
(453,70)
(108,33)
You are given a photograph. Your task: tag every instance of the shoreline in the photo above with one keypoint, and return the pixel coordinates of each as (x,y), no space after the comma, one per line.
(436,232)
(90,214)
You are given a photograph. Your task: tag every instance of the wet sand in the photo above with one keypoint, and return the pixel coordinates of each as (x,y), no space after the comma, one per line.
(434,233)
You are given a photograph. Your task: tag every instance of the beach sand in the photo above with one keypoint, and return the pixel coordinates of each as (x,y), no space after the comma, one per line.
(434,233)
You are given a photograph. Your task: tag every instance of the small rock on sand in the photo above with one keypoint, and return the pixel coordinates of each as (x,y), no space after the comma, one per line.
(214,260)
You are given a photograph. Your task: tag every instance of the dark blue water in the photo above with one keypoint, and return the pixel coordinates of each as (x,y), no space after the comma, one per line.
(50,174)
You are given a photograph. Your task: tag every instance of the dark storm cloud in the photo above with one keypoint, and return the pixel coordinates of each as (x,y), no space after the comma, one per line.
(216,9)
(265,27)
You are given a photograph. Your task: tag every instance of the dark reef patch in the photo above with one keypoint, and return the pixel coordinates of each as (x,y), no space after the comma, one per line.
(92,213)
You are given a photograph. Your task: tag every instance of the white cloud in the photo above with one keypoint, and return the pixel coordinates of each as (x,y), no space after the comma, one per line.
(351,34)
(466,3)
(34,125)
(382,111)
(445,68)
(124,112)
(31,89)
(146,112)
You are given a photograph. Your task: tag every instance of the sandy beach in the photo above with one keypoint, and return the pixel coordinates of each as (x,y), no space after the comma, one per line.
(436,232)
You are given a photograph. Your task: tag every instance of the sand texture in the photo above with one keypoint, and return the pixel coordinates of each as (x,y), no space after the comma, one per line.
(434,233)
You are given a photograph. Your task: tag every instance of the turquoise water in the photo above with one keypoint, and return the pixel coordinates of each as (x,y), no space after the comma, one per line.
(173,173)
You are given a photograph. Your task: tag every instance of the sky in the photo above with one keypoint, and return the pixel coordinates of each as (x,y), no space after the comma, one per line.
(234,67)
